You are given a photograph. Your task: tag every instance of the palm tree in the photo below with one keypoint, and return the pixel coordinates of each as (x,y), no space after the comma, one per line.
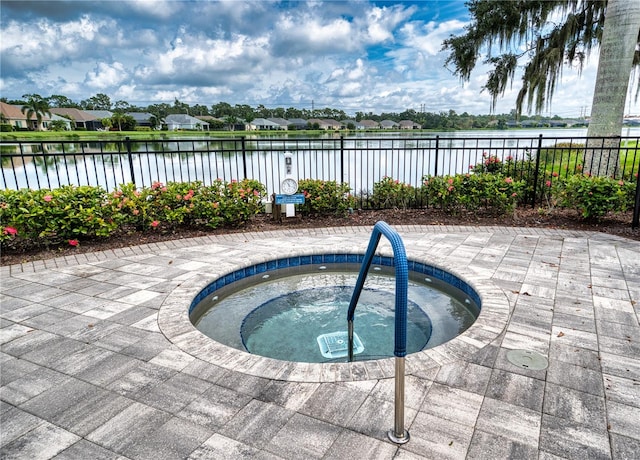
(118,118)
(36,106)
(617,49)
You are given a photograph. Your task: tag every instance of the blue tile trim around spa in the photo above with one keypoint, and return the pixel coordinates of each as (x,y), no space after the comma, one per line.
(271,265)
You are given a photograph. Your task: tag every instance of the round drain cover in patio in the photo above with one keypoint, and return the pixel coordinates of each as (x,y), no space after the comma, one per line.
(527,359)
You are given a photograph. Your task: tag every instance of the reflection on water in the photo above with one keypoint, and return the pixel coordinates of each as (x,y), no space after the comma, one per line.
(360,159)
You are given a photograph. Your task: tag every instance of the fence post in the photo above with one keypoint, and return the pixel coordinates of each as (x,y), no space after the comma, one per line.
(435,171)
(244,156)
(536,172)
(127,143)
(636,209)
(342,158)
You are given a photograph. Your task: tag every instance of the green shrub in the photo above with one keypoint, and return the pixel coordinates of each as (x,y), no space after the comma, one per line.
(489,193)
(239,200)
(46,217)
(489,164)
(390,193)
(189,203)
(68,214)
(6,128)
(325,197)
(595,197)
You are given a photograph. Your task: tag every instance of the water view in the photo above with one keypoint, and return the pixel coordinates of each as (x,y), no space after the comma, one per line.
(360,159)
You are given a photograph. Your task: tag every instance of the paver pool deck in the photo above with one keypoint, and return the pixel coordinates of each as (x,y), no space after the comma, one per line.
(98,360)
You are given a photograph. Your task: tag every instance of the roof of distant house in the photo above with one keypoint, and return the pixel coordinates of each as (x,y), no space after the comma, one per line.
(100,114)
(75,114)
(183,119)
(140,116)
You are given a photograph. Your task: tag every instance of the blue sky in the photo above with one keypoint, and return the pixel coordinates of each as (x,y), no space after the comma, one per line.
(356,56)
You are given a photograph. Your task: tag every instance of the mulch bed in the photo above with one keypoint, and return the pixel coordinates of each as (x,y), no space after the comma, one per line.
(619,224)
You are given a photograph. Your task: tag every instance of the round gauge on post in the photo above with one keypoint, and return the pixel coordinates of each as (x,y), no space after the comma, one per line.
(289,186)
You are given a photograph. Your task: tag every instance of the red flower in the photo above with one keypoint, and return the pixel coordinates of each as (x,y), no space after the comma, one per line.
(47,198)
(548,183)
(10,231)
(155,223)
(74,242)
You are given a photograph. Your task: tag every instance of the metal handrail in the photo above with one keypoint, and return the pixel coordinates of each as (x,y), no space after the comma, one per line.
(398,434)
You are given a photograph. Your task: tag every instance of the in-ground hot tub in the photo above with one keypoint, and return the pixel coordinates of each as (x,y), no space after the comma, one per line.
(295,309)
(175,323)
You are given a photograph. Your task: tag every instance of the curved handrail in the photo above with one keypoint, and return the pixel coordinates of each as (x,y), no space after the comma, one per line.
(398,434)
(402,282)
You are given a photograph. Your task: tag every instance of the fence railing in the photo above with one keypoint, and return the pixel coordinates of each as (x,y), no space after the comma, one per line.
(360,162)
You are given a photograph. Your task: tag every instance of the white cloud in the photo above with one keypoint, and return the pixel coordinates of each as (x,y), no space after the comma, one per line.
(427,38)
(350,55)
(106,75)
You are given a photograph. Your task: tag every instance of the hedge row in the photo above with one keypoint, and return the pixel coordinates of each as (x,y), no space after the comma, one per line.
(69,214)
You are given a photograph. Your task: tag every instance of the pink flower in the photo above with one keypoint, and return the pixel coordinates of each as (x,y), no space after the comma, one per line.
(155,223)
(74,242)
(10,231)
(554,174)
(621,182)
(450,181)
(509,158)
(451,187)
(514,194)
(47,198)
(548,183)
(508,180)
(136,212)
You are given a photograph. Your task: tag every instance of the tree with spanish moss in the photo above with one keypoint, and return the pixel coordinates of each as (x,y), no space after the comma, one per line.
(543,37)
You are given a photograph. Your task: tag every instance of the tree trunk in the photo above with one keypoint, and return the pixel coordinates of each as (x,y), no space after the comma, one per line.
(619,39)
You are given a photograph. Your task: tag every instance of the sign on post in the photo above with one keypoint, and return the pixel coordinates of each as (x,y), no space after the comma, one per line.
(297,198)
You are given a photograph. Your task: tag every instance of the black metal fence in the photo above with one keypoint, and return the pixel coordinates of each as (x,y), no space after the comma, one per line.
(358,161)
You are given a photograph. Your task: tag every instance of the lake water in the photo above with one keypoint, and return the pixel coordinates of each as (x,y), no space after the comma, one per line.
(360,159)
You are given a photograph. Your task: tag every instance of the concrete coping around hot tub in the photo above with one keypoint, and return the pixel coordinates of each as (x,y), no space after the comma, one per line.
(175,324)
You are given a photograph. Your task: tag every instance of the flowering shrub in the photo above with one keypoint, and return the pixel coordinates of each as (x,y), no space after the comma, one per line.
(489,164)
(489,193)
(595,197)
(238,201)
(390,193)
(47,217)
(325,197)
(441,192)
(68,214)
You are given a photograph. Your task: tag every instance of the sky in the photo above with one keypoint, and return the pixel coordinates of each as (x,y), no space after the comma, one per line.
(358,56)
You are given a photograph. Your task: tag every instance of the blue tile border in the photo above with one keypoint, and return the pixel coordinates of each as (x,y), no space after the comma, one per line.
(332,258)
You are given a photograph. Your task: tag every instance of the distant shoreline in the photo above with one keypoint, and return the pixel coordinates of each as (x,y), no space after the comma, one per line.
(43,136)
